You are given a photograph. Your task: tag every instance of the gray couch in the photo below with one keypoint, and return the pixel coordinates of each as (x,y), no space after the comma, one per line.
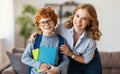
(14,65)
(110,63)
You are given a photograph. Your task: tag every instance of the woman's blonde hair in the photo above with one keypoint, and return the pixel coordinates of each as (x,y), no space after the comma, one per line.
(92,29)
(44,13)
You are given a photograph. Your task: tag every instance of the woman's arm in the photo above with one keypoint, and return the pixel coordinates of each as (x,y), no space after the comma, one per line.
(86,57)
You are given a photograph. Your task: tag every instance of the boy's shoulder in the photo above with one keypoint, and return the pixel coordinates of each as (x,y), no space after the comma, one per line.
(39,37)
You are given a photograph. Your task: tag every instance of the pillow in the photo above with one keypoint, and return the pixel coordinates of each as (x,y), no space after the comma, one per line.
(18,66)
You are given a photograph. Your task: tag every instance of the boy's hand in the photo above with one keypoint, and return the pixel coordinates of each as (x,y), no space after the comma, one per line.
(44,67)
(52,70)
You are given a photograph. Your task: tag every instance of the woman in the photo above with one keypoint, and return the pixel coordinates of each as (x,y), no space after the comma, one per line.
(81,32)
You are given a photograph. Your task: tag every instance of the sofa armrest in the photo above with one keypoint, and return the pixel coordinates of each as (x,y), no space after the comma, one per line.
(9,70)
(4,66)
(18,50)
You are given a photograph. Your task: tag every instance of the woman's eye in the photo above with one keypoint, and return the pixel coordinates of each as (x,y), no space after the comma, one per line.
(85,18)
(77,15)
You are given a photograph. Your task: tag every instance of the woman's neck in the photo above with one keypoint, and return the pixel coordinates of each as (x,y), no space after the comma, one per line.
(76,36)
(78,32)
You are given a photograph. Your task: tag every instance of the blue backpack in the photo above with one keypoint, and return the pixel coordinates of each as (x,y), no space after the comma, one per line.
(37,43)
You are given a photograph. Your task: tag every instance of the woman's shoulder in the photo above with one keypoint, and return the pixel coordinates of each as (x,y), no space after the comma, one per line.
(89,39)
(60,25)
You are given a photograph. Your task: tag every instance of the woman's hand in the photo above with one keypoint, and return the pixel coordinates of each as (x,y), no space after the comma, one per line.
(32,37)
(65,50)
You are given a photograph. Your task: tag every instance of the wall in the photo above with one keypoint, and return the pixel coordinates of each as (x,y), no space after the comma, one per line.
(1,51)
(6,28)
(108,15)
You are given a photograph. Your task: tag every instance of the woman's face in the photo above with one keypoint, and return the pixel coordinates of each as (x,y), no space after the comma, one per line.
(81,20)
(47,25)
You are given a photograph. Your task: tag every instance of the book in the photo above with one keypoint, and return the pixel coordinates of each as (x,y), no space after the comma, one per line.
(47,55)
(35,53)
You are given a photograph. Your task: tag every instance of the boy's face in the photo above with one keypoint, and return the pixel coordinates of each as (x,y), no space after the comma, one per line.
(47,25)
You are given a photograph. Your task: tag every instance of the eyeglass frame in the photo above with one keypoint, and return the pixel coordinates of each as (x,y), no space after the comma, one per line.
(43,23)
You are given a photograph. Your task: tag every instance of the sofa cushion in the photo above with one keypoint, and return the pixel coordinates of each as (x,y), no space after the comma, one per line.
(18,50)
(9,70)
(115,71)
(105,59)
(110,59)
(16,63)
(115,58)
(106,70)
(4,66)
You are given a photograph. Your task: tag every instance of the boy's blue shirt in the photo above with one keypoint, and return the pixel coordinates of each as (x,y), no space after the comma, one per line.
(51,41)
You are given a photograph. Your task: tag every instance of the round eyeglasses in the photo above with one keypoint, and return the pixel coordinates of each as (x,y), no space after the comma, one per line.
(42,23)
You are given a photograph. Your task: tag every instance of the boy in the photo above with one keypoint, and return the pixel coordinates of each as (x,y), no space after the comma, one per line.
(45,21)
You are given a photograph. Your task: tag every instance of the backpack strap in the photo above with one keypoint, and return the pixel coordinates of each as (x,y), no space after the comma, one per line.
(36,44)
(37,41)
(60,55)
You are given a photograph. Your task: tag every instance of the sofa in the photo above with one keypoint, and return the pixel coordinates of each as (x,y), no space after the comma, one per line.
(110,63)
(14,65)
